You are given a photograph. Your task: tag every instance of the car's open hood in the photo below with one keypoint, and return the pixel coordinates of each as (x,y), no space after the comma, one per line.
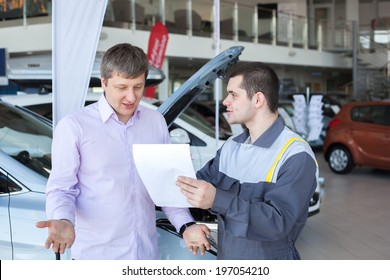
(198,83)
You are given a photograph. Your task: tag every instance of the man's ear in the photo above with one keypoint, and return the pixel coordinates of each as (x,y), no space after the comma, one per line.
(259,99)
(103,82)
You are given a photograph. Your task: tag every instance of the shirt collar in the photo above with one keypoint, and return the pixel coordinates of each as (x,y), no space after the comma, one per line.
(267,138)
(107,112)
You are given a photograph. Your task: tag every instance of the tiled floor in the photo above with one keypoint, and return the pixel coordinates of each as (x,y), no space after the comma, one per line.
(354,221)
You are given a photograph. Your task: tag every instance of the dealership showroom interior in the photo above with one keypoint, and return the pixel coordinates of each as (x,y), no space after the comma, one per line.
(332,58)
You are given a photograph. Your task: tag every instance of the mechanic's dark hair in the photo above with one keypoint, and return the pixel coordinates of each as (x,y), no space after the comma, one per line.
(125,59)
(257,76)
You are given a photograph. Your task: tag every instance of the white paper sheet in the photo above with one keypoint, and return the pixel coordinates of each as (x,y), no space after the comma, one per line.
(159,165)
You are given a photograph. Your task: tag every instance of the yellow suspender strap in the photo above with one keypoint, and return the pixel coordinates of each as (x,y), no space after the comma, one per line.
(270,173)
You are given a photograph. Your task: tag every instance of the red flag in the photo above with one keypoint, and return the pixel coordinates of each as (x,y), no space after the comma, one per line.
(158,41)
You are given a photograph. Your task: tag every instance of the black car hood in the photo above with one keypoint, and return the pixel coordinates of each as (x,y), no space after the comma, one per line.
(198,83)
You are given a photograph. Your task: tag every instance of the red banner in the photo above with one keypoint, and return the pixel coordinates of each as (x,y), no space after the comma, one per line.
(158,41)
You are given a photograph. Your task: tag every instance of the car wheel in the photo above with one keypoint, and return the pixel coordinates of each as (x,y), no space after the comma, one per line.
(340,160)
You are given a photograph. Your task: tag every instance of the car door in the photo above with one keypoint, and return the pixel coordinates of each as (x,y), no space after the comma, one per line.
(28,242)
(21,240)
(371,134)
(5,232)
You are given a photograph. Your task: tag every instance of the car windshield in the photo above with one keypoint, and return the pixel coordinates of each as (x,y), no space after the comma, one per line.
(193,119)
(199,121)
(27,139)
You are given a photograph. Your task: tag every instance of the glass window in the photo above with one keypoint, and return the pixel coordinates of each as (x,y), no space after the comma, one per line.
(44,110)
(369,114)
(197,121)
(3,183)
(25,138)
(7,186)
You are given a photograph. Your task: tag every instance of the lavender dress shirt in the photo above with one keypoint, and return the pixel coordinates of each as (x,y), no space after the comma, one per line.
(94,183)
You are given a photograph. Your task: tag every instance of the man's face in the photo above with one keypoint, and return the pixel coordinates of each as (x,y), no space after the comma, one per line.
(124,94)
(239,108)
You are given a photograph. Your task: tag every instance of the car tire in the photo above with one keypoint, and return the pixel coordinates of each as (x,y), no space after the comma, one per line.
(340,160)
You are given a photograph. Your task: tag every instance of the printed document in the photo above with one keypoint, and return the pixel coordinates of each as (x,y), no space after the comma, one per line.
(159,165)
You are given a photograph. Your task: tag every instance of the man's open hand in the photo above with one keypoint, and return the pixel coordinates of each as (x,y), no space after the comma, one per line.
(61,234)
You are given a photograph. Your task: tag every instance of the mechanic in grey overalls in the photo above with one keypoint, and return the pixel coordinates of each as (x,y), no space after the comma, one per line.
(260,182)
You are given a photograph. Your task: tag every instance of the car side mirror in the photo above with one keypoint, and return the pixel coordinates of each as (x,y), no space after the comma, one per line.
(179,136)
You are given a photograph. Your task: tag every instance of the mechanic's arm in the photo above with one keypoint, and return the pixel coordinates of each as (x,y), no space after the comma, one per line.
(270,217)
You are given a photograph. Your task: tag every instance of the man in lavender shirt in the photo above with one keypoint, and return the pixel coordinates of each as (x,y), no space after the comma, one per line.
(96,202)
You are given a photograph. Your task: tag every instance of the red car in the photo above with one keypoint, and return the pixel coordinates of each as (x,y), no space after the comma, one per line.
(359,134)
